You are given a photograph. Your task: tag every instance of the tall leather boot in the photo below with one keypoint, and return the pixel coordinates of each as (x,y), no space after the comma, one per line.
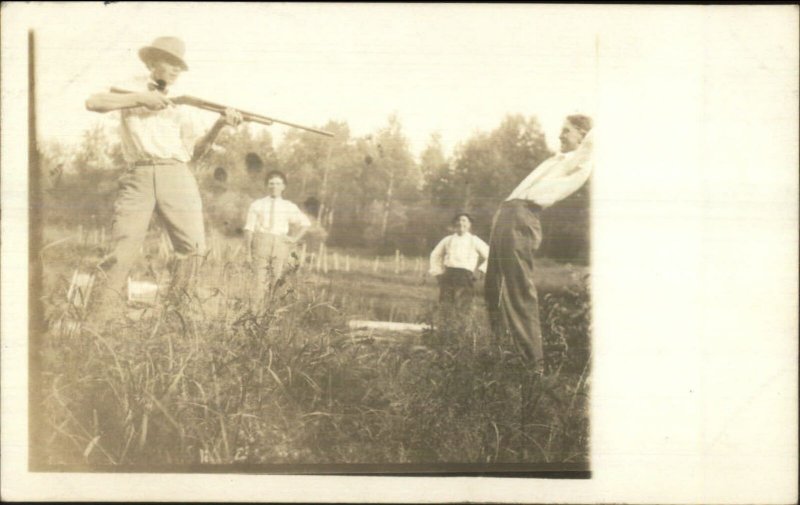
(184,273)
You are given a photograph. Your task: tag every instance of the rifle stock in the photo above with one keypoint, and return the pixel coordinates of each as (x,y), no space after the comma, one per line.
(247,116)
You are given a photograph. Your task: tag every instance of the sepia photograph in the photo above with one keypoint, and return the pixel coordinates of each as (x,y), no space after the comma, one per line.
(395,285)
(552,247)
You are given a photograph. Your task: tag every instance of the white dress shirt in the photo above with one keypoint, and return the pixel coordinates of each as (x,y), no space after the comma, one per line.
(459,251)
(557,177)
(168,133)
(274,215)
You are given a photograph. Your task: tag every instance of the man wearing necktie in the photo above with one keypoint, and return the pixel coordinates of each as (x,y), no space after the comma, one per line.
(268,241)
(511,297)
(158,142)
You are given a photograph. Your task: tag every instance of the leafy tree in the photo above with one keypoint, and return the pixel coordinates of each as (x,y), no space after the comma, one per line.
(521,143)
(82,181)
(487,166)
(325,169)
(437,173)
(566,228)
(98,151)
(245,154)
(391,177)
(371,191)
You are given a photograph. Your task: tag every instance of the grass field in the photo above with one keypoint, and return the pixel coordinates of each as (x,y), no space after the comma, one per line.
(216,380)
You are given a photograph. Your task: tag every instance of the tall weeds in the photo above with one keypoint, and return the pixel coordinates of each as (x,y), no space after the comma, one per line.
(217,380)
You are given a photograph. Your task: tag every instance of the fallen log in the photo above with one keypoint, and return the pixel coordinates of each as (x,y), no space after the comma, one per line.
(387,327)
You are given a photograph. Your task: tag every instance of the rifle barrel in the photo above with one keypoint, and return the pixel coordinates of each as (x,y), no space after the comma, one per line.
(247,116)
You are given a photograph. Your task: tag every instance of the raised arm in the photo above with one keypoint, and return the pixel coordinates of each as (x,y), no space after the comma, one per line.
(567,178)
(107,102)
(231,117)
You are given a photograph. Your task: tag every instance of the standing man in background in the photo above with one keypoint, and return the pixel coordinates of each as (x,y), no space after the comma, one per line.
(267,237)
(158,143)
(453,262)
(510,292)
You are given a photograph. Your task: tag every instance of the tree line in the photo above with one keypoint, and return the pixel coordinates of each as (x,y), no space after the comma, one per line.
(368,191)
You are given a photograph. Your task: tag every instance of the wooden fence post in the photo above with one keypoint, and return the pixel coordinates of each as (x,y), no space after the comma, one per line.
(303,251)
(93,234)
(335,261)
(320,254)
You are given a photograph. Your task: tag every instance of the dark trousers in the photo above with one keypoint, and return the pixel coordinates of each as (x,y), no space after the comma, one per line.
(456,288)
(511,297)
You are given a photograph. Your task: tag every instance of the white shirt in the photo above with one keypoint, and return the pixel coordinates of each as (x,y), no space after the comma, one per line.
(259,217)
(559,176)
(170,133)
(459,251)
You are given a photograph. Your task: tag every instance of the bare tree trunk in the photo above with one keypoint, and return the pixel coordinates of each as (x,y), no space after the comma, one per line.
(387,206)
(324,188)
(467,197)
(329,216)
(303,182)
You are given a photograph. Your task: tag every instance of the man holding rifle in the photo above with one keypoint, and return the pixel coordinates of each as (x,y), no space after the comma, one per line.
(158,142)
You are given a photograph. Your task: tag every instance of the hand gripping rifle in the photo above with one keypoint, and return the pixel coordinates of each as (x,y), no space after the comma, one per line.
(247,116)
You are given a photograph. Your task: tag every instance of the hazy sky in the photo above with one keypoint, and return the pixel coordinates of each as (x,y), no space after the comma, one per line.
(452,69)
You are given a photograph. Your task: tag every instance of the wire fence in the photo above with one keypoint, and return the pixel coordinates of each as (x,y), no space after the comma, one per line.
(220,250)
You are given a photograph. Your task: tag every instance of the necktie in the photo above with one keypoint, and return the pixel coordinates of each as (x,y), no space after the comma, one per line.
(272,215)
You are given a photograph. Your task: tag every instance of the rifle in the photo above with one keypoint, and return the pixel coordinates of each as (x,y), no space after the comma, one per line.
(247,116)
